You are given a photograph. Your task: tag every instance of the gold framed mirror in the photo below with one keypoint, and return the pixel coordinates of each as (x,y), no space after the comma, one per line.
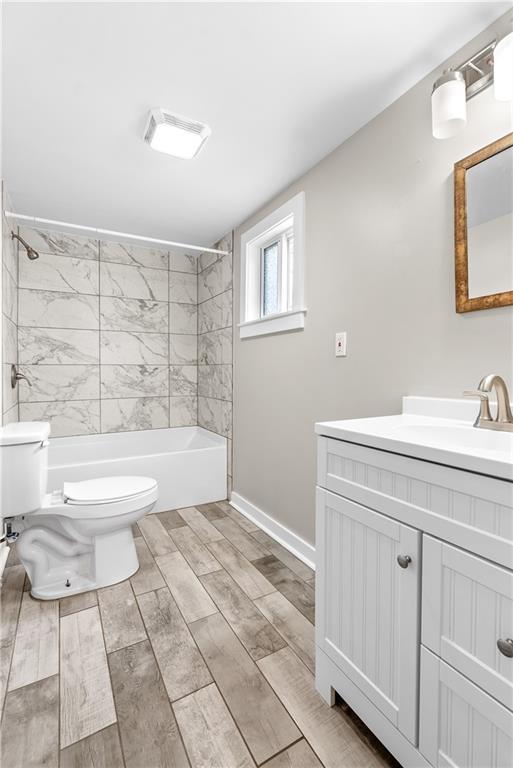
(483,227)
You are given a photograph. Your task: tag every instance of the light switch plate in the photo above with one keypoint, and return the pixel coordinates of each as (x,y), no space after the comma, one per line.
(341,344)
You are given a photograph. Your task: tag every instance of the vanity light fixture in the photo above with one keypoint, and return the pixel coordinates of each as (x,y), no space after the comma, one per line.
(503,68)
(449,105)
(491,64)
(174,134)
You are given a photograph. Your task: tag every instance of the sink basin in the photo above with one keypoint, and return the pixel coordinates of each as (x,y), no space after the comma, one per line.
(464,437)
(442,440)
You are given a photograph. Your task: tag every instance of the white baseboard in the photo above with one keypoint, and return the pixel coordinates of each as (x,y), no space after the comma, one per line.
(284,536)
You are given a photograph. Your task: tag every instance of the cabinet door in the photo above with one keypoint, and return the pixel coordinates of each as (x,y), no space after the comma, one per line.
(467,616)
(460,725)
(368,605)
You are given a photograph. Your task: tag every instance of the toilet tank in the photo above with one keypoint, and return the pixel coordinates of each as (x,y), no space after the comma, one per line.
(23,467)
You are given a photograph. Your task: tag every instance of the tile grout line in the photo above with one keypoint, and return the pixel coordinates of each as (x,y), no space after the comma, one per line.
(103,330)
(95,733)
(209,669)
(17,318)
(232,715)
(184,555)
(230,445)
(197,337)
(15,636)
(156,661)
(283,703)
(305,581)
(100,331)
(110,680)
(285,749)
(59,723)
(169,332)
(196,645)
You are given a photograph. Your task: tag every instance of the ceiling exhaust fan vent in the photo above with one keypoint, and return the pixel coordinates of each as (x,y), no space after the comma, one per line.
(175,134)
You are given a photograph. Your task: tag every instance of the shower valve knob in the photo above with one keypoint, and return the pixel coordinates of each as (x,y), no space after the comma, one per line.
(16,376)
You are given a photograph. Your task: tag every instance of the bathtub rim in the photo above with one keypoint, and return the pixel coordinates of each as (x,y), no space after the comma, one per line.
(219,441)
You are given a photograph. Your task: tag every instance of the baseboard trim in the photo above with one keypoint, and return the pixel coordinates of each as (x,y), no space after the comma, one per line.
(284,536)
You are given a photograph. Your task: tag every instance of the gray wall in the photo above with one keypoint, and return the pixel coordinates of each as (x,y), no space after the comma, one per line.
(379,264)
(107,335)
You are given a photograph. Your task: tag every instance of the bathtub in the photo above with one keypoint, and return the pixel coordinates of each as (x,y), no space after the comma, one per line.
(189,463)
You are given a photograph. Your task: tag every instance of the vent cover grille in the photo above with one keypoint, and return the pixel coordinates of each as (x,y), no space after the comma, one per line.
(181,122)
(160,116)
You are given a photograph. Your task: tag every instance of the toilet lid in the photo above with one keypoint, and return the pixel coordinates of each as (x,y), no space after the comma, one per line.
(103,490)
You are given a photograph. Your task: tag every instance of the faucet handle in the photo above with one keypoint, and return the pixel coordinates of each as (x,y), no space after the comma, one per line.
(476,393)
(484,409)
(16,376)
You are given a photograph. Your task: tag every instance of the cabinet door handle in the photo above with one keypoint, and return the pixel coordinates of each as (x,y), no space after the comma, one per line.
(404,560)
(506,647)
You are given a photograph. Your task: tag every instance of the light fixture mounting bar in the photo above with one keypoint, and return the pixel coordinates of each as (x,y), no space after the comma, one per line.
(478,70)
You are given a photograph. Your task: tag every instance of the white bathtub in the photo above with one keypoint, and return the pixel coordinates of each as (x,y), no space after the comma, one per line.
(189,463)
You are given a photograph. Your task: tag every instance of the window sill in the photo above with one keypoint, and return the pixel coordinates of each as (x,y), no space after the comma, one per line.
(284,321)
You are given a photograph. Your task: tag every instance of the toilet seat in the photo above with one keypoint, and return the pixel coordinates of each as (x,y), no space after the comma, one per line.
(101,498)
(107,490)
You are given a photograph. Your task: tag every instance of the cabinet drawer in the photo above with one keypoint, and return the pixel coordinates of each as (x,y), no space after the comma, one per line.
(470,510)
(467,605)
(460,725)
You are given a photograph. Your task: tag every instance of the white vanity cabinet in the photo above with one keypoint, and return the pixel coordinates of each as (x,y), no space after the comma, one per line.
(414,587)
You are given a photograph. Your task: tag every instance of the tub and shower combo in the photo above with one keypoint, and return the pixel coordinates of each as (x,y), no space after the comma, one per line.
(188,463)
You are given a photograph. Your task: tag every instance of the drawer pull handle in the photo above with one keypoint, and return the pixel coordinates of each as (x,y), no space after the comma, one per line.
(404,560)
(506,647)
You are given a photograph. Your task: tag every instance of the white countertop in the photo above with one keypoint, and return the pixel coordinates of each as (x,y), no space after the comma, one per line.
(425,430)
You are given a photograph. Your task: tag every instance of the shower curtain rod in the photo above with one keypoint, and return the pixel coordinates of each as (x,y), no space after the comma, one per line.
(112,233)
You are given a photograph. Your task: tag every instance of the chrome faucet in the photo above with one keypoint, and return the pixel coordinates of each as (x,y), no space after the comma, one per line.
(504,417)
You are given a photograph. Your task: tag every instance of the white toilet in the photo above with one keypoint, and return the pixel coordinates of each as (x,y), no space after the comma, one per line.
(73,539)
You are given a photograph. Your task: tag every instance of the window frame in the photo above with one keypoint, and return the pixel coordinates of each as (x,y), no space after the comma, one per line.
(278,226)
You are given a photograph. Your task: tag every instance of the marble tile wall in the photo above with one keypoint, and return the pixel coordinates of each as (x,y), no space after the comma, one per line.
(215,318)
(107,335)
(9,315)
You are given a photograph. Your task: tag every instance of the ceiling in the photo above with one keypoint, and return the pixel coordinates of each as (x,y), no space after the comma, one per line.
(280,84)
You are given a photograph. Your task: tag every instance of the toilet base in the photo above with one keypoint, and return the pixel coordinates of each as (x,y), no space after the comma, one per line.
(54,591)
(93,563)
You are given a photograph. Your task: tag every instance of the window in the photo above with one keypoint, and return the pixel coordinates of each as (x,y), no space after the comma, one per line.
(272,272)
(276,258)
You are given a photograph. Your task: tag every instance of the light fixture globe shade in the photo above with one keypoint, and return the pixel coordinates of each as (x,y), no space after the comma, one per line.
(503,69)
(448,105)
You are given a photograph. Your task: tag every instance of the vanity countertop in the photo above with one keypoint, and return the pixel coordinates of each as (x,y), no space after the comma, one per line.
(426,430)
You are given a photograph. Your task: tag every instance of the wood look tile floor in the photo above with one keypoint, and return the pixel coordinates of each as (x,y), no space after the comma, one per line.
(203,659)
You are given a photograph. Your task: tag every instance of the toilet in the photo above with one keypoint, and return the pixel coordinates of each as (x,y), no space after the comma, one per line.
(73,539)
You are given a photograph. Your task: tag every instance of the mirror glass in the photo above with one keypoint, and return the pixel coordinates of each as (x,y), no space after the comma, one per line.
(489,191)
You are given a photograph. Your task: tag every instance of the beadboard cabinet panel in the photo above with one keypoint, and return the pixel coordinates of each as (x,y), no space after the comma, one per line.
(470,510)
(461,726)
(467,606)
(368,609)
